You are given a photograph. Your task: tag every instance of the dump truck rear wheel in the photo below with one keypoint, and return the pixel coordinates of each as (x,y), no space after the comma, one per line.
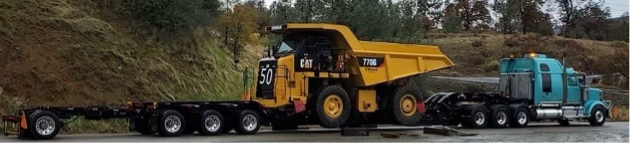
(211,123)
(333,106)
(404,105)
(172,123)
(44,124)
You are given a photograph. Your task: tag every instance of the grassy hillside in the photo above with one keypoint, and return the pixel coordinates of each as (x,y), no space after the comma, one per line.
(478,54)
(63,52)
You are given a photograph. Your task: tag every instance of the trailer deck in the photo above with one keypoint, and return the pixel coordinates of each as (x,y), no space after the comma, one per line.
(205,117)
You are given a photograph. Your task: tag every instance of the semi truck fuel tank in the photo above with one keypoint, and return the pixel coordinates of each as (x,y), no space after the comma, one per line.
(548,113)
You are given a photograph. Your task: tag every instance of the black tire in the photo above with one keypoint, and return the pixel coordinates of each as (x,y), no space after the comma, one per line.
(214,118)
(143,127)
(598,116)
(252,118)
(499,116)
(336,120)
(172,116)
(563,122)
(520,117)
(478,117)
(411,93)
(45,116)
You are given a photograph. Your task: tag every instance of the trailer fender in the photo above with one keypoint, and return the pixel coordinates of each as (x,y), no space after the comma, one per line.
(589,105)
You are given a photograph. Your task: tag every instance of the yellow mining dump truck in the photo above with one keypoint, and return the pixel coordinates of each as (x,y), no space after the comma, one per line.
(322,74)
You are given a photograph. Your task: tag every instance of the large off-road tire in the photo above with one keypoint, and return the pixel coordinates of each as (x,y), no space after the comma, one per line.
(248,122)
(499,116)
(598,116)
(43,124)
(520,117)
(211,122)
(171,123)
(478,117)
(332,106)
(403,105)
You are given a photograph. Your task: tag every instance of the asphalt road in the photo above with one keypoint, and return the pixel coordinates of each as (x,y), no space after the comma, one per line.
(537,132)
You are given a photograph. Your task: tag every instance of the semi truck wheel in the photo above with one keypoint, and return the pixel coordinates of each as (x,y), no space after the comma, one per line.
(332,106)
(172,123)
(478,117)
(520,117)
(404,105)
(43,124)
(500,116)
(248,122)
(211,123)
(598,116)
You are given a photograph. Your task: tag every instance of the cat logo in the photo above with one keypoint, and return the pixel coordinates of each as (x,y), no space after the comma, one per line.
(306,63)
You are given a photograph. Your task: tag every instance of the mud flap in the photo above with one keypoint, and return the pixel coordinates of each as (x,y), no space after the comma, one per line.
(299,106)
(421,107)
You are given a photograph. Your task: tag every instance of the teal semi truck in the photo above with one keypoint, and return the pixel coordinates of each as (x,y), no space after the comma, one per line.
(531,88)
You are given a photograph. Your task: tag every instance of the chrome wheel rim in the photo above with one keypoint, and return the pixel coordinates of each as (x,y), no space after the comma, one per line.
(249,122)
(599,116)
(479,118)
(522,118)
(501,118)
(45,125)
(172,123)
(212,123)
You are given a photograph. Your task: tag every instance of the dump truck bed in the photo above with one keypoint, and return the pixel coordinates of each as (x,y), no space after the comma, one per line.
(377,62)
(395,61)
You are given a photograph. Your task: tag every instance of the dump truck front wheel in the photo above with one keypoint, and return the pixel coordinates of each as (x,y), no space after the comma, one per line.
(404,105)
(333,106)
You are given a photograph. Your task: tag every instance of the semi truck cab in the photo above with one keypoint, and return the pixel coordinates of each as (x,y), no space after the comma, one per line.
(551,89)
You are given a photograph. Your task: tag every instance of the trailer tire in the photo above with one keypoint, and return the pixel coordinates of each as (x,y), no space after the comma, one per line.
(330,97)
(598,116)
(41,117)
(404,105)
(478,117)
(211,122)
(248,122)
(520,117)
(172,117)
(500,116)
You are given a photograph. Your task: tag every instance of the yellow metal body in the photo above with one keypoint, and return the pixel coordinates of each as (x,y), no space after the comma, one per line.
(400,61)
(366,101)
